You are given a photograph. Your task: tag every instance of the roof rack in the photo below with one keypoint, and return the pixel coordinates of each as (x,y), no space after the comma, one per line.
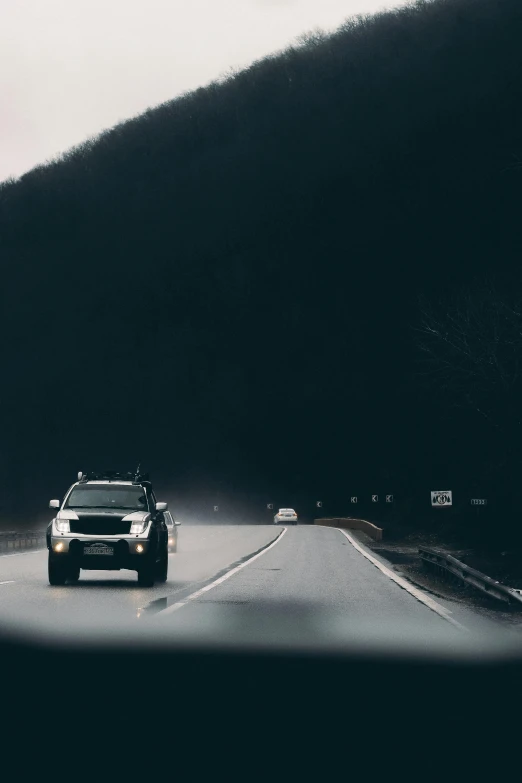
(113,475)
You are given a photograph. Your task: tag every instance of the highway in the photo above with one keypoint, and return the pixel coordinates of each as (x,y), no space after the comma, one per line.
(228,576)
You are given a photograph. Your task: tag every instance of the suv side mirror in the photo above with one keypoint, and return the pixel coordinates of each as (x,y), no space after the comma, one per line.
(176,522)
(54,504)
(161,506)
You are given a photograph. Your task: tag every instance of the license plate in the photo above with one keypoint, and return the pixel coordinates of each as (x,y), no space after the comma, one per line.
(98,550)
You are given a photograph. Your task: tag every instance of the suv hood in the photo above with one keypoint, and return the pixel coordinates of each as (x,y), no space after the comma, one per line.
(117,513)
(103,522)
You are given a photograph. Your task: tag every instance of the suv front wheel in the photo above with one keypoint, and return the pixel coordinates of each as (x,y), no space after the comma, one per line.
(147,573)
(163,568)
(57,572)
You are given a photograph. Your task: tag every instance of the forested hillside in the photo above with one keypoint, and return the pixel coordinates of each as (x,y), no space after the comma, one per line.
(234,276)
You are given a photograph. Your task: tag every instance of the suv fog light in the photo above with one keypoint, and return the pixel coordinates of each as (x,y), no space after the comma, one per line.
(139,548)
(58,547)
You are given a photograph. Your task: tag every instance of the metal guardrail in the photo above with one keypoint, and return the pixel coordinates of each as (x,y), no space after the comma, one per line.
(444,562)
(15,541)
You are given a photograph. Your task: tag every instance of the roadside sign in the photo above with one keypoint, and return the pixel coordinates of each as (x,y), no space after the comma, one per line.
(354,499)
(375,498)
(216,508)
(319,504)
(270,506)
(389,498)
(479,502)
(442,498)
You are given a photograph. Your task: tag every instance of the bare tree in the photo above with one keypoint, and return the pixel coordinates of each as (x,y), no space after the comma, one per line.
(471,349)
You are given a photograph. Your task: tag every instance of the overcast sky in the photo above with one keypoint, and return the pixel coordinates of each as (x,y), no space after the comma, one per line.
(70,68)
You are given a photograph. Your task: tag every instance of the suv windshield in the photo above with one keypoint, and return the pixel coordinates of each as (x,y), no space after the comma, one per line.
(96,496)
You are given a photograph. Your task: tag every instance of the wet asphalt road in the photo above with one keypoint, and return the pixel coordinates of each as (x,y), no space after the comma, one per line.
(302,575)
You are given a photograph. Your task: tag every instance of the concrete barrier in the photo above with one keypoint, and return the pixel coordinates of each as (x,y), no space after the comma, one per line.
(11,540)
(352,524)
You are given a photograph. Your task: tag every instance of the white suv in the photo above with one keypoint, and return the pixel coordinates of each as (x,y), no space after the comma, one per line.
(287,515)
(108,521)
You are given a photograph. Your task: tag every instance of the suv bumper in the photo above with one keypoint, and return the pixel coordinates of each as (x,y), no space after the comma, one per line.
(125,552)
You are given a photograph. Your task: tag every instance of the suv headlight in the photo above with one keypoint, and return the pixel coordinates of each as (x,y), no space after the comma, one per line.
(62,525)
(137,528)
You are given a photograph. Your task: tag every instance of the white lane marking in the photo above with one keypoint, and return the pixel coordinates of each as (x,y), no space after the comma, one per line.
(221,579)
(23,554)
(414,591)
(9,582)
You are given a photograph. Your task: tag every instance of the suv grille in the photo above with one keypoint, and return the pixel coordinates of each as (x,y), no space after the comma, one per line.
(100,526)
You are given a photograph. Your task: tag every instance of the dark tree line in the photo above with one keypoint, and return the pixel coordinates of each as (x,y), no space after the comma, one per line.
(470,352)
(224,284)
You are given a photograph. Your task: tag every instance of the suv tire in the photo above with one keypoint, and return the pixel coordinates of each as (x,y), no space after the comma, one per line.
(147,574)
(57,572)
(163,568)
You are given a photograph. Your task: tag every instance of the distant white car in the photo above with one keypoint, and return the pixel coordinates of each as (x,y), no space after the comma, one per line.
(172,527)
(288,515)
